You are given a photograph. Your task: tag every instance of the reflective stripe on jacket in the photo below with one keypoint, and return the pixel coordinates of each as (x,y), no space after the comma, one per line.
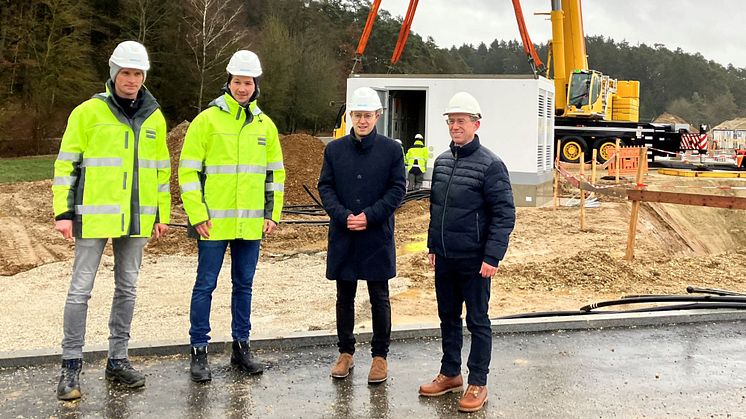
(231,170)
(417,156)
(112,173)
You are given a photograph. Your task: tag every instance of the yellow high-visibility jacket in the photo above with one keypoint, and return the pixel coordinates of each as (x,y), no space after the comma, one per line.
(417,156)
(111,176)
(231,170)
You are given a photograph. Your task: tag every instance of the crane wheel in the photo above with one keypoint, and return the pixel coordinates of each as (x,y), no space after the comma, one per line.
(570,149)
(606,148)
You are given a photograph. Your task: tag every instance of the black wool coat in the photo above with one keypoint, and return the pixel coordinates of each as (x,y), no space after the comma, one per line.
(357,176)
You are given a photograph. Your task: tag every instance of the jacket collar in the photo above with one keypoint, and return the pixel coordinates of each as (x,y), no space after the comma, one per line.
(149,104)
(467,149)
(227,103)
(365,142)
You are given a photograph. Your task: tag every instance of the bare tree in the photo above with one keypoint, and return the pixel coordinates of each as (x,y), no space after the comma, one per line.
(144,17)
(213,33)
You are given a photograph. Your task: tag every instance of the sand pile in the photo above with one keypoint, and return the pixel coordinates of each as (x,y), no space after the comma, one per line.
(303,155)
(175,141)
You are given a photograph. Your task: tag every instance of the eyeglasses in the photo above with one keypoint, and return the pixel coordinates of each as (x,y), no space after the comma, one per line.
(368,116)
(459,121)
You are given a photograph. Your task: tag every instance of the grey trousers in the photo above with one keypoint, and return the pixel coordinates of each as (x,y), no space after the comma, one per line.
(414,182)
(127,260)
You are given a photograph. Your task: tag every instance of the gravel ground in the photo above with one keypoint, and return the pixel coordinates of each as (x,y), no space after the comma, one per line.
(164,291)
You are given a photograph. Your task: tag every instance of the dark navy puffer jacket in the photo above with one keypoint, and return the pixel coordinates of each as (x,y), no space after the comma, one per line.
(471,204)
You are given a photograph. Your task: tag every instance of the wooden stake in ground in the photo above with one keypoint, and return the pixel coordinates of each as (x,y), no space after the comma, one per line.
(593,166)
(556,175)
(618,161)
(582,192)
(632,233)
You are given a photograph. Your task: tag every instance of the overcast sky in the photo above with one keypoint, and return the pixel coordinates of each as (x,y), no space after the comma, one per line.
(715,28)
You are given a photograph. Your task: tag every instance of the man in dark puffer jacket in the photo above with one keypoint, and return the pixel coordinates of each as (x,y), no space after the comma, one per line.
(471,218)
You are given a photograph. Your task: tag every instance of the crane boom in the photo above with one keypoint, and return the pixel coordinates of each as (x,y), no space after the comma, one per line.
(528,47)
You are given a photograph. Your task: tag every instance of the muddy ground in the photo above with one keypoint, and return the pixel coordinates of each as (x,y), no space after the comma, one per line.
(551,265)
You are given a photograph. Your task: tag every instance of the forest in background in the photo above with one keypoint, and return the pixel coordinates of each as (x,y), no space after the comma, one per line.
(54,55)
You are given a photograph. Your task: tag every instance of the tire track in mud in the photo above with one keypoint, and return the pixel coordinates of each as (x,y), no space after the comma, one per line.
(20,252)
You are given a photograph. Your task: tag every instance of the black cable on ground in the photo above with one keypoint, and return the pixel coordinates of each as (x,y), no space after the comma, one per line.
(664,299)
(308,191)
(311,222)
(305,212)
(690,289)
(416,195)
(690,306)
(672,307)
(543,314)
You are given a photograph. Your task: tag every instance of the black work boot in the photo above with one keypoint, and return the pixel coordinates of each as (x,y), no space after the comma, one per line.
(120,370)
(69,386)
(199,368)
(242,358)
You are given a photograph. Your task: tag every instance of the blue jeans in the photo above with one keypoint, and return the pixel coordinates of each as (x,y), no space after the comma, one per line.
(457,281)
(244,257)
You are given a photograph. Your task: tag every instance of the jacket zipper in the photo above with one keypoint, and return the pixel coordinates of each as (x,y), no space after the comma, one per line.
(477,228)
(445,205)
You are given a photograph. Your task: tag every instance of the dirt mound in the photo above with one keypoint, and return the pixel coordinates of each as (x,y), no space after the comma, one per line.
(27,236)
(175,141)
(667,118)
(738,123)
(599,272)
(303,155)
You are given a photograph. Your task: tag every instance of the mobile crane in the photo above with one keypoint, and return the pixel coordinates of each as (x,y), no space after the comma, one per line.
(593,110)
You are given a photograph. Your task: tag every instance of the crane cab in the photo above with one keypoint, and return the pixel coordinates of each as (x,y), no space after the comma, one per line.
(589,95)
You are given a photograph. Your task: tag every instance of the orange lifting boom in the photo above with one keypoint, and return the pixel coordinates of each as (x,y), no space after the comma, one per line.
(403,32)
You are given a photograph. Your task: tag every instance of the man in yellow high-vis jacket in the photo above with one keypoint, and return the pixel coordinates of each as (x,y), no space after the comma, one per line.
(232,179)
(111,180)
(416,159)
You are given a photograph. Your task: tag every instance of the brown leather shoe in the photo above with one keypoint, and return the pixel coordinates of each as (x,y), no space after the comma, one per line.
(442,385)
(473,399)
(343,366)
(378,370)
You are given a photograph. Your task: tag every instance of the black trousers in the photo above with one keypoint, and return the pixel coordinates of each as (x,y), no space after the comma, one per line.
(457,281)
(380,309)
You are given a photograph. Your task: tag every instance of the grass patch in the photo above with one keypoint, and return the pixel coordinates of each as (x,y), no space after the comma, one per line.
(26,169)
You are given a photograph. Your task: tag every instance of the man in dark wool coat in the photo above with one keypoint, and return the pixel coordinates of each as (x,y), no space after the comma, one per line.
(471,217)
(362,182)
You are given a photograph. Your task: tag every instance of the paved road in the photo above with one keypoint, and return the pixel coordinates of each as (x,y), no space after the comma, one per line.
(689,370)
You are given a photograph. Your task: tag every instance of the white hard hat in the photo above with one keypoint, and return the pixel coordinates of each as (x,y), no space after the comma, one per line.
(463,102)
(364,99)
(419,137)
(130,54)
(397,140)
(244,63)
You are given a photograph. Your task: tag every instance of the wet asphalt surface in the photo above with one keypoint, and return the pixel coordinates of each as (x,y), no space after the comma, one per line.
(688,370)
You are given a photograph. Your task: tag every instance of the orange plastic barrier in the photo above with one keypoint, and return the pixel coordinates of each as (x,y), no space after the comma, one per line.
(629,160)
